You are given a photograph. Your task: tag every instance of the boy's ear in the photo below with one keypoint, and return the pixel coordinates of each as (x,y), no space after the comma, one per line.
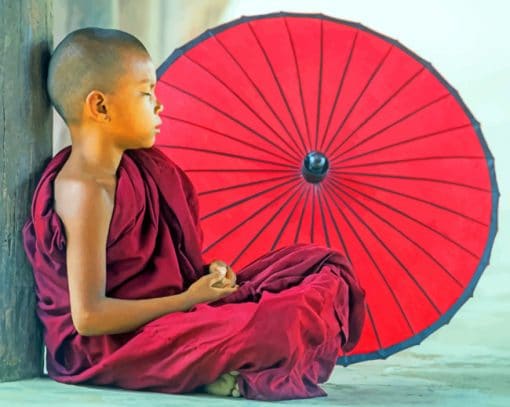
(96,107)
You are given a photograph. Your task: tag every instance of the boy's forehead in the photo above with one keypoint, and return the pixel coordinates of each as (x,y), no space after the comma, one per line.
(140,71)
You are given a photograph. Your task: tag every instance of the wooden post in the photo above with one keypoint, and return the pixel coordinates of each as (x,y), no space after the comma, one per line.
(25,149)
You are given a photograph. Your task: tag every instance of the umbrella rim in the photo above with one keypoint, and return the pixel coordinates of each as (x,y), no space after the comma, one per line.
(468,293)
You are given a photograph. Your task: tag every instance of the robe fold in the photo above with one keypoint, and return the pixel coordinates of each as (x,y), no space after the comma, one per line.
(282,330)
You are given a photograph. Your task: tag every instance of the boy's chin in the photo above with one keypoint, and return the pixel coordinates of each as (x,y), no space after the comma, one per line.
(147,145)
(149,141)
(143,140)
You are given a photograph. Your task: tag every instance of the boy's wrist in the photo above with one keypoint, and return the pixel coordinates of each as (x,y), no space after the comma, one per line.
(186,299)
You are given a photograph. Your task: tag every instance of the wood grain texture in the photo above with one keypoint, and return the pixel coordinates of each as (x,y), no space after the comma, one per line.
(25,150)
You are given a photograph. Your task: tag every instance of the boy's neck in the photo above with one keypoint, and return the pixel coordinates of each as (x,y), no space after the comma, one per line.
(94,153)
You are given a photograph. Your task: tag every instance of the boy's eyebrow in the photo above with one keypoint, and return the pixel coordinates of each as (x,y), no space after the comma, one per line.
(147,80)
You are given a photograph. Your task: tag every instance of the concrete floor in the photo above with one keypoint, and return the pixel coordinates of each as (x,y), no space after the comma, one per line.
(465,363)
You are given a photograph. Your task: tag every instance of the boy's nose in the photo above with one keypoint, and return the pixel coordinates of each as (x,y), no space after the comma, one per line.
(159,107)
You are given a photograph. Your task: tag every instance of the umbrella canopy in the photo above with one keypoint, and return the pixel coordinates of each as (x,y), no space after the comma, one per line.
(303,128)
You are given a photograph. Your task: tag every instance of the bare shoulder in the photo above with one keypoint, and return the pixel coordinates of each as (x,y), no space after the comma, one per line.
(79,196)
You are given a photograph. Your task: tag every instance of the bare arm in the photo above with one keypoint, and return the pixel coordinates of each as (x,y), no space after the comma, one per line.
(86,220)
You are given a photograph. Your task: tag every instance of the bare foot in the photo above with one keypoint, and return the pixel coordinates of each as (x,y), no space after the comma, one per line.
(225,385)
(235,390)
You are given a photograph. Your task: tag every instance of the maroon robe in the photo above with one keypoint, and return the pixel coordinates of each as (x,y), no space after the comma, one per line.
(282,330)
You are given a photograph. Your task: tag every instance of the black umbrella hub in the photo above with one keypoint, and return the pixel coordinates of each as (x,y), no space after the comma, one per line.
(315,167)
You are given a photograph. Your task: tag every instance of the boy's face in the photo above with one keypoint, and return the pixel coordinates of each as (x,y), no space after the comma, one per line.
(133,107)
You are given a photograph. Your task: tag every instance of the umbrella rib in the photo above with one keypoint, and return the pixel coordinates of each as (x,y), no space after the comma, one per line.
(301,217)
(465,249)
(312,217)
(249,197)
(399,143)
(242,101)
(339,90)
(429,255)
(440,181)
(247,219)
(392,191)
(401,119)
(299,82)
(222,153)
(337,230)
(353,106)
(372,322)
(282,93)
(236,170)
(255,147)
(240,123)
(245,184)
(271,219)
(440,157)
(399,261)
(389,99)
(282,229)
(374,329)
(323,217)
(369,254)
(319,87)
(259,92)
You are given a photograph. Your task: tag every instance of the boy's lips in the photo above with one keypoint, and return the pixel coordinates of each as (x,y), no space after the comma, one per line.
(157,126)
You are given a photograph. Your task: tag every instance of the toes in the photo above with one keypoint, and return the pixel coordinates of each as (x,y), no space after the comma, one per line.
(235,391)
(221,387)
(225,385)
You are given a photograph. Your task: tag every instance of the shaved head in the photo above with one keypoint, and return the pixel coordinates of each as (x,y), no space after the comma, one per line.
(88,59)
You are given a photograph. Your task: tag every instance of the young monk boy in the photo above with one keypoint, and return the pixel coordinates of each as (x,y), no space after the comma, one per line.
(115,244)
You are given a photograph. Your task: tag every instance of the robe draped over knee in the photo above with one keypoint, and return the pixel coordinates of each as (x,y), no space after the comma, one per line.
(296,306)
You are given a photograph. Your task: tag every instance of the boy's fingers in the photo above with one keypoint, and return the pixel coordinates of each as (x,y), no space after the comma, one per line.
(227,287)
(215,277)
(231,276)
(230,290)
(225,282)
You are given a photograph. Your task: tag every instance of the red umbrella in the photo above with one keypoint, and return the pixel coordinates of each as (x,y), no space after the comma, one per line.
(304,128)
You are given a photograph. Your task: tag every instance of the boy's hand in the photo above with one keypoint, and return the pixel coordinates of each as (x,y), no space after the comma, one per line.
(229,277)
(206,289)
